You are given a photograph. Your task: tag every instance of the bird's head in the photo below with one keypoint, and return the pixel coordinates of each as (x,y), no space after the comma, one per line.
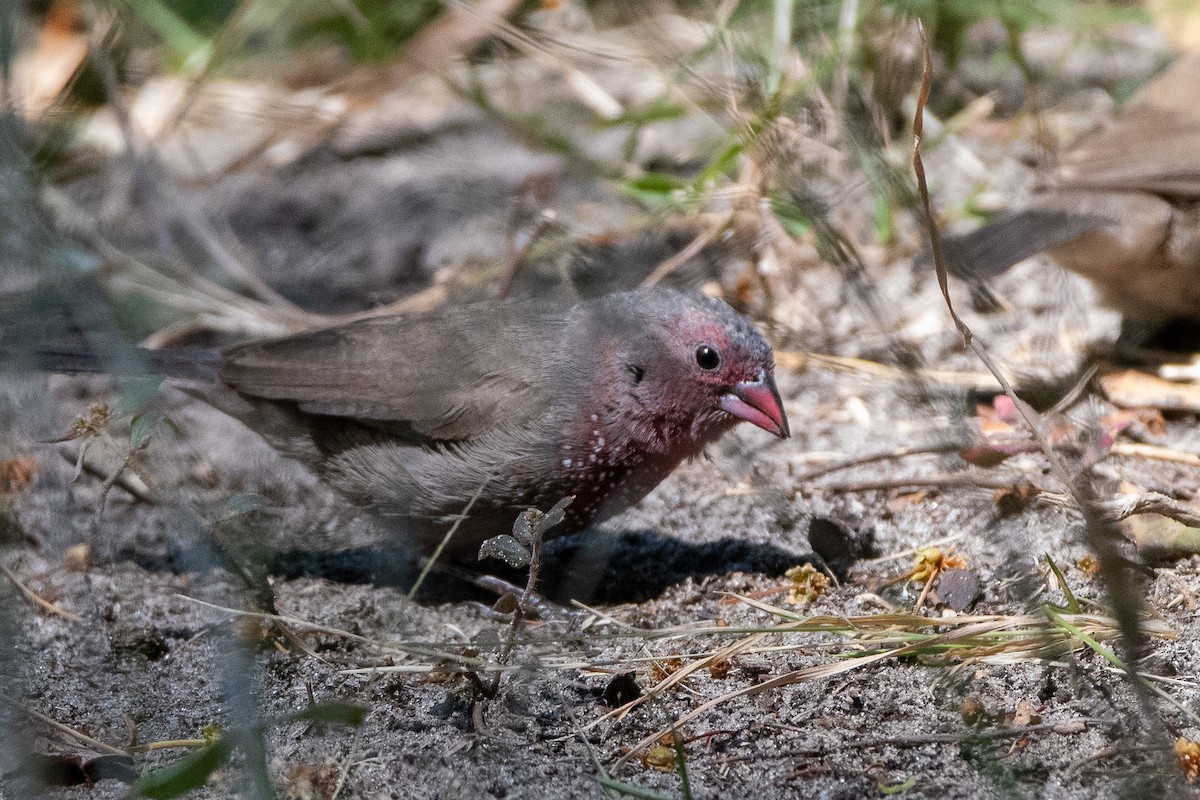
(690,360)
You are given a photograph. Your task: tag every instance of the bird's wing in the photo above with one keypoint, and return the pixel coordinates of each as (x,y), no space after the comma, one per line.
(1153,146)
(1107,231)
(448,375)
(1012,237)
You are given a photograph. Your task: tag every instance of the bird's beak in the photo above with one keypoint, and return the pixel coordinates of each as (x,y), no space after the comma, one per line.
(758,402)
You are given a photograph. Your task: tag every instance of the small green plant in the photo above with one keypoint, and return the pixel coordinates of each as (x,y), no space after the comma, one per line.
(523,548)
(193,771)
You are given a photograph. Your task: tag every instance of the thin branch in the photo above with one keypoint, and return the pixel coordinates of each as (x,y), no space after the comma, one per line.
(693,248)
(871,458)
(68,730)
(1125,506)
(1100,531)
(437,553)
(38,601)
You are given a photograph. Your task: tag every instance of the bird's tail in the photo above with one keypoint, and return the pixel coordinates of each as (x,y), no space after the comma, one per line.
(68,327)
(1012,236)
(189,364)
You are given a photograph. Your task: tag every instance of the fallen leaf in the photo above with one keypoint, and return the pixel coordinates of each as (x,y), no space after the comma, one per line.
(974,711)
(1160,538)
(1024,715)
(659,758)
(621,689)
(77,558)
(665,668)
(1187,756)
(958,588)
(991,454)
(1133,389)
(17,473)
(1016,498)
(1121,420)
(905,498)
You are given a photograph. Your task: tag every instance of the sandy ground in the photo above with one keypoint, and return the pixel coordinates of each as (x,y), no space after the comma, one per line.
(145,662)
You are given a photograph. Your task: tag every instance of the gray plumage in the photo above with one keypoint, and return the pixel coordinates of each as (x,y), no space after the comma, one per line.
(514,404)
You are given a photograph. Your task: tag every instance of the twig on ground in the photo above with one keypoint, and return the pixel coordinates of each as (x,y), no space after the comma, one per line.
(1114,510)
(66,729)
(1124,506)
(691,250)
(942,481)
(1101,533)
(130,483)
(110,481)
(1138,450)
(887,455)
(38,601)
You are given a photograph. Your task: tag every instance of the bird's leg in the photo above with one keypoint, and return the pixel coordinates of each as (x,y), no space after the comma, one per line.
(534,605)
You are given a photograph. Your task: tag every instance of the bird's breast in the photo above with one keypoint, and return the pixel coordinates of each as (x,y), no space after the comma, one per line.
(607,472)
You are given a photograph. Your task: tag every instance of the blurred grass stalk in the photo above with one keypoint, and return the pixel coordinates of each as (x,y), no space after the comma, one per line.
(781,43)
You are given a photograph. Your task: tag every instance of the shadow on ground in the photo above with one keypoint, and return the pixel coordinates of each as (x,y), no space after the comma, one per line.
(592,567)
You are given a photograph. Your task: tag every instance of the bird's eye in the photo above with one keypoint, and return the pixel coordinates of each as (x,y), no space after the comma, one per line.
(707,357)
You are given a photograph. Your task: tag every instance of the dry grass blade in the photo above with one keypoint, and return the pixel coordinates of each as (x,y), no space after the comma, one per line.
(1100,533)
(65,729)
(979,639)
(1139,450)
(391,649)
(797,360)
(38,601)
(691,250)
(586,89)
(679,675)
(210,304)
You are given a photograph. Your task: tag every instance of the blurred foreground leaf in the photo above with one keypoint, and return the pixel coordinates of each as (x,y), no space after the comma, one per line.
(188,773)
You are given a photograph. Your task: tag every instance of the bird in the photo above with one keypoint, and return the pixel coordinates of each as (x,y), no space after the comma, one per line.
(463,417)
(1122,208)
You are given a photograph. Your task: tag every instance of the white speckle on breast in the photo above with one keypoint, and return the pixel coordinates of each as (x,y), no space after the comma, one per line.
(567,462)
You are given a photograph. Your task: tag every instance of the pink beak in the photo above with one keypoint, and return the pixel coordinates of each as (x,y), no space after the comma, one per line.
(758,403)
